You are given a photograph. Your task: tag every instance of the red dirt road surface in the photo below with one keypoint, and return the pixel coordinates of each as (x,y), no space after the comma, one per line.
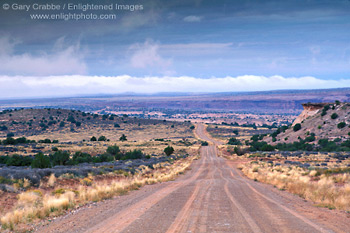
(212,197)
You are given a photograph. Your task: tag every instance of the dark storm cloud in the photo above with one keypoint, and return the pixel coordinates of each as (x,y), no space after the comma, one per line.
(289,38)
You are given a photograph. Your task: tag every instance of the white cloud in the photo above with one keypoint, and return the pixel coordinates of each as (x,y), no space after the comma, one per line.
(63,60)
(72,85)
(146,56)
(197,46)
(192,19)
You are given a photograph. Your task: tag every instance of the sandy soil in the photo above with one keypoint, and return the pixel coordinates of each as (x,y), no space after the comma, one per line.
(212,197)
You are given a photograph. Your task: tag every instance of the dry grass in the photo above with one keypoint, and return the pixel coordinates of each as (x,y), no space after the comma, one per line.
(33,204)
(324,191)
(52,180)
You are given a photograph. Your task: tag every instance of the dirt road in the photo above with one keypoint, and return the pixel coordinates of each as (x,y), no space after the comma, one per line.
(212,197)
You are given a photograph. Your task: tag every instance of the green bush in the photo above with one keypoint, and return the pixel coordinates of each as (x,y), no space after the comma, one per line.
(238,150)
(341,125)
(102,138)
(3,159)
(115,151)
(81,157)
(41,161)
(135,154)
(45,141)
(60,158)
(123,138)
(297,127)
(234,141)
(267,147)
(334,116)
(18,160)
(168,150)
(105,158)
(93,139)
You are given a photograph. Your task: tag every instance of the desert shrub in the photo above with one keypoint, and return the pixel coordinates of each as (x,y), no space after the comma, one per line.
(10,135)
(301,145)
(105,157)
(41,161)
(71,119)
(310,138)
(116,125)
(62,124)
(51,123)
(9,141)
(111,118)
(205,143)
(325,109)
(93,139)
(267,147)
(234,141)
(3,159)
(255,138)
(168,150)
(114,150)
(78,124)
(86,181)
(3,128)
(21,140)
(192,127)
(239,151)
(334,116)
(341,125)
(278,131)
(297,127)
(123,138)
(81,157)
(135,154)
(102,138)
(60,158)
(326,145)
(45,141)
(18,160)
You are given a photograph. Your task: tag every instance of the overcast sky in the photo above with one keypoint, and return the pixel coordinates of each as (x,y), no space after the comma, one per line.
(176,45)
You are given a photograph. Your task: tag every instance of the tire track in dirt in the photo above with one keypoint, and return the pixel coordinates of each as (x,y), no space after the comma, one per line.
(253,226)
(202,218)
(273,214)
(186,219)
(294,213)
(130,214)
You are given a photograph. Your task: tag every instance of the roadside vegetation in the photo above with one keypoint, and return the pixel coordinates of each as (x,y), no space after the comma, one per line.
(53,160)
(327,187)
(41,203)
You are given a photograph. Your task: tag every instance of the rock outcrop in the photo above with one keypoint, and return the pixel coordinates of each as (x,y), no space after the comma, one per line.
(310,109)
(319,120)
